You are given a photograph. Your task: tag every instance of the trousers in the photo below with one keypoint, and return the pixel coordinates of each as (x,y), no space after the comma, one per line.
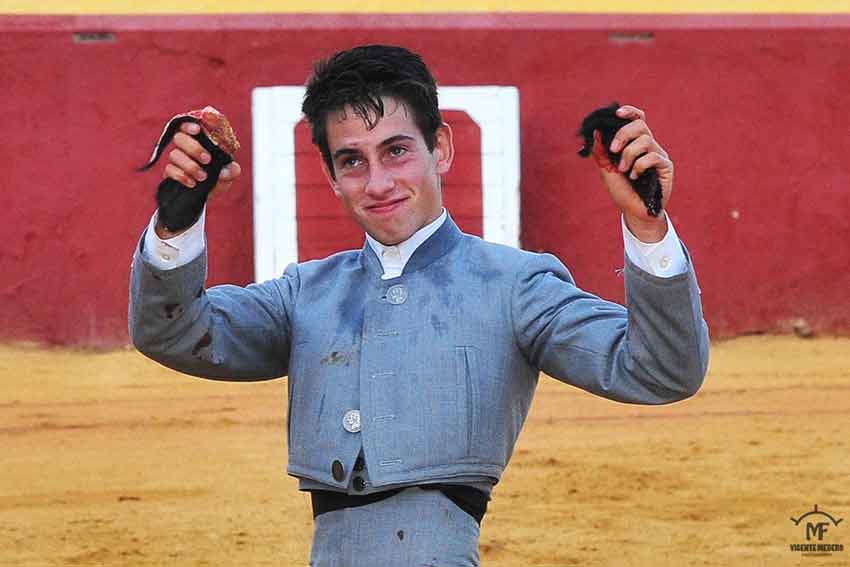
(414,528)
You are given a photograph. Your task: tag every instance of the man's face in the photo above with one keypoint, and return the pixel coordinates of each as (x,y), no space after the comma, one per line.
(386,178)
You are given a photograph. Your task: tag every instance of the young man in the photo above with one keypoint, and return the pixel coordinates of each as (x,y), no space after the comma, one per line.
(412,362)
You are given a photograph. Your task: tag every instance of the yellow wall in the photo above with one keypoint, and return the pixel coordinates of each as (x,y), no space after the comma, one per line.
(421,6)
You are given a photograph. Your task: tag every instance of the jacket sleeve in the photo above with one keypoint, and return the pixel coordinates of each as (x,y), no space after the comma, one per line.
(653,351)
(226,332)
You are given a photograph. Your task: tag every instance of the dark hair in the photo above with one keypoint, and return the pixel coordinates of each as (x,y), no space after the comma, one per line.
(358,78)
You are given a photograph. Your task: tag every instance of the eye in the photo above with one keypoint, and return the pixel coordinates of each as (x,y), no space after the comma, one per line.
(397,151)
(351,162)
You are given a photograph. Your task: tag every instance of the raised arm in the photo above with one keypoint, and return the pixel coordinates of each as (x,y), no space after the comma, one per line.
(225,332)
(653,351)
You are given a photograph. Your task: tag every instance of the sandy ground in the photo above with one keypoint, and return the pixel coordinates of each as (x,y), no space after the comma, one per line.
(110,459)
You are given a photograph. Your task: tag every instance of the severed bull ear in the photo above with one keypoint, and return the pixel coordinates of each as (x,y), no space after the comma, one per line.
(180,206)
(606,121)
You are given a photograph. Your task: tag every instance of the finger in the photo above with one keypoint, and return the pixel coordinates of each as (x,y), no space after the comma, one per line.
(631,112)
(189,166)
(177,174)
(641,145)
(191,147)
(190,128)
(629,132)
(661,164)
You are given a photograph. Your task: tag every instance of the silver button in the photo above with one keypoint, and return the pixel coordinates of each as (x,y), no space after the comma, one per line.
(664,262)
(397,294)
(351,421)
(166,257)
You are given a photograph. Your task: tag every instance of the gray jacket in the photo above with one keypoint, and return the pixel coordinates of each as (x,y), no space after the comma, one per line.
(442,362)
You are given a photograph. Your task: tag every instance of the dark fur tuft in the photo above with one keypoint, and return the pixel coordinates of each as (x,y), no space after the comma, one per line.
(606,121)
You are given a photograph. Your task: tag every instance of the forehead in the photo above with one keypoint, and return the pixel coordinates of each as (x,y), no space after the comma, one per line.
(346,129)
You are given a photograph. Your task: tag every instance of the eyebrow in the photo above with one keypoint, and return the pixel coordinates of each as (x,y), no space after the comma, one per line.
(388,142)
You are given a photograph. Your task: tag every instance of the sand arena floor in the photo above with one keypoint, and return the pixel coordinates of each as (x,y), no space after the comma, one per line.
(110,459)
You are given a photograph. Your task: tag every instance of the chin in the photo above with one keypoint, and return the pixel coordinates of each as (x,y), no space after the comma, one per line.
(391,239)
(399,238)
(391,236)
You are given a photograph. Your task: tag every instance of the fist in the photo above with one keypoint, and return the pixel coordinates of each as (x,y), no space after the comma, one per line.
(639,151)
(187,157)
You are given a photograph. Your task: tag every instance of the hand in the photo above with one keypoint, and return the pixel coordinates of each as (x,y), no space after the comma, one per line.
(186,159)
(640,151)
(185,167)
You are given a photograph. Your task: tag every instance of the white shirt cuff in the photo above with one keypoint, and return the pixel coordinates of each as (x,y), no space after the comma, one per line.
(174,252)
(664,259)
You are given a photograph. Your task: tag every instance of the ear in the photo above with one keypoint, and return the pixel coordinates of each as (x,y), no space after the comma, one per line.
(444,149)
(329,176)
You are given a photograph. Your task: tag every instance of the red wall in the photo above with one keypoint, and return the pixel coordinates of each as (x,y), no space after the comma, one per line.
(753,111)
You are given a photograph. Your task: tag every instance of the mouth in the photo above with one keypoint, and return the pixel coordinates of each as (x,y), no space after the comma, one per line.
(386,207)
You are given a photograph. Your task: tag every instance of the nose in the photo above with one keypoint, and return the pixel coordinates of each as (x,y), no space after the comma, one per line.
(380,182)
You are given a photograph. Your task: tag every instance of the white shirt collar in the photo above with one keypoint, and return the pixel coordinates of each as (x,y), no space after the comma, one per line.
(394,258)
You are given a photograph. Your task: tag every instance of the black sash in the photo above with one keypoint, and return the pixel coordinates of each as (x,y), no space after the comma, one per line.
(470,500)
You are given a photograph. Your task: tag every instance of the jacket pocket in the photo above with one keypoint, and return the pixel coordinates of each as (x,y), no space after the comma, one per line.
(467,372)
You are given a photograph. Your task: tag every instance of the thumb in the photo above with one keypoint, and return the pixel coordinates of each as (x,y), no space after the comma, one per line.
(230,172)
(600,154)
(228,175)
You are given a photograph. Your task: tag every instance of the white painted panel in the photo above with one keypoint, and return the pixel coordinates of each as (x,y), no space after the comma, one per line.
(275,113)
